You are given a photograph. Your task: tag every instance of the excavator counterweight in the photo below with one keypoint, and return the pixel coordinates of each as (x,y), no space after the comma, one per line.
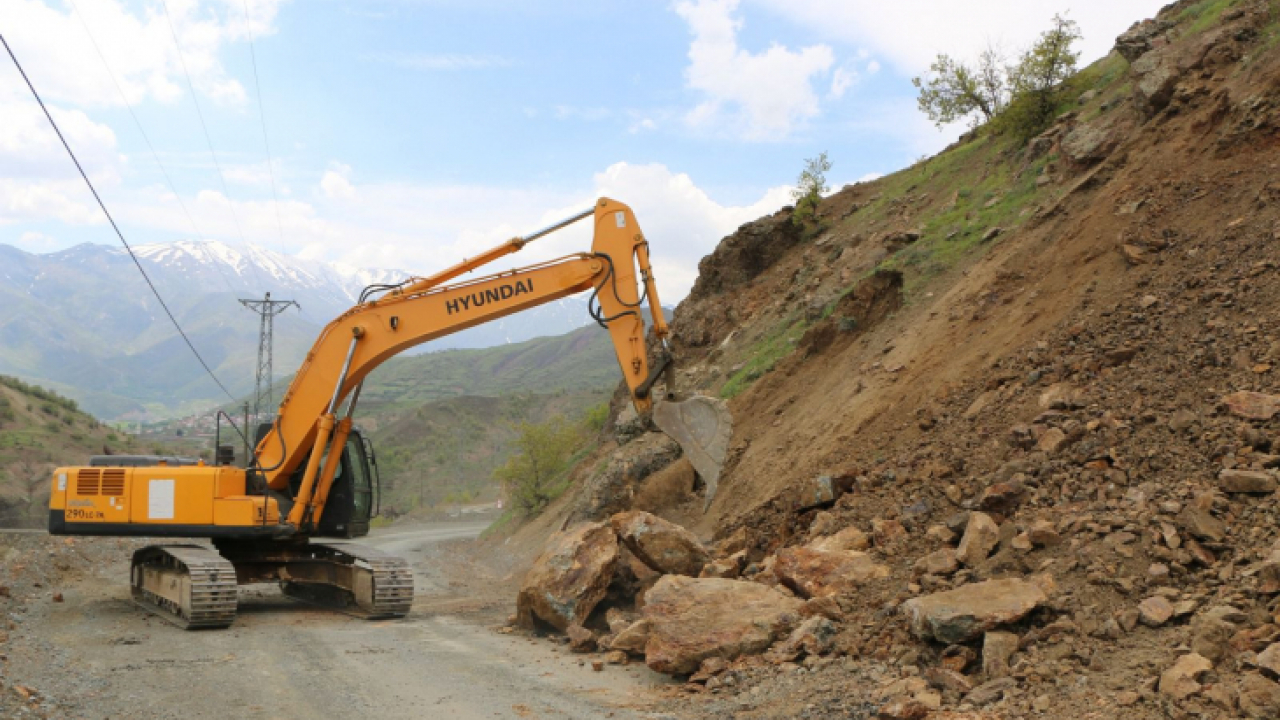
(313,474)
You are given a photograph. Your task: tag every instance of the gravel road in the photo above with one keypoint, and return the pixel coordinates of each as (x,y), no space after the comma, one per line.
(96,655)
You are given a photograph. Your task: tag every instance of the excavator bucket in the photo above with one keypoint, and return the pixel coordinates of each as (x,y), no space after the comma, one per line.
(702,426)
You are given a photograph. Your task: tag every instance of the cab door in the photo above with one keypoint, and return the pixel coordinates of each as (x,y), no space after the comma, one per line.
(350,504)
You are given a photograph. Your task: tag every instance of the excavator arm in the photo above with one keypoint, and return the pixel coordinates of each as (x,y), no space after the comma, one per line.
(358,341)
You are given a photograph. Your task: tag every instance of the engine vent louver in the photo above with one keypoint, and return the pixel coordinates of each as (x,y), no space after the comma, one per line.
(92,481)
(113,482)
(87,481)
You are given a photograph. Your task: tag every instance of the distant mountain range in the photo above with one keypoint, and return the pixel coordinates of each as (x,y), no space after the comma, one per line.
(83,321)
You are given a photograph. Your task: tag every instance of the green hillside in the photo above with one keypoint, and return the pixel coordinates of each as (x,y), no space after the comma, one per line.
(443,422)
(581,359)
(40,430)
(445,451)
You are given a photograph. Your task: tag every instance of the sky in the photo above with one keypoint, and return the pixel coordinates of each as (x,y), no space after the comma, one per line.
(410,134)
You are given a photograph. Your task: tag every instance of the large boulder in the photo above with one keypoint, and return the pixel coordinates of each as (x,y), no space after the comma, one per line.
(611,489)
(1091,142)
(663,546)
(692,619)
(811,572)
(569,578)
(960,615)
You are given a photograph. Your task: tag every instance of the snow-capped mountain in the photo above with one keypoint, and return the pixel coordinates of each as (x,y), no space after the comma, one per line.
(83,320)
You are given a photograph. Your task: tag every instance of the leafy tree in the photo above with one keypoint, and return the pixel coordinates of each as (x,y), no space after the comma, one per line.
(1022,98)
(1039,79)
(810,186)
(953,90)
(543,453)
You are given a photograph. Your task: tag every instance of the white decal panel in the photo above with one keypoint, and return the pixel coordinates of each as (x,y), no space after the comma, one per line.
(160,500)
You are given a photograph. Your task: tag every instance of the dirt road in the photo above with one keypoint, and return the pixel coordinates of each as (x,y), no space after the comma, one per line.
(96,655)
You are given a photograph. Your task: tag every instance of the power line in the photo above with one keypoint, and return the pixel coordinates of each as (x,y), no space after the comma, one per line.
(147,139)
(200,114)
(262,116)
(112,220)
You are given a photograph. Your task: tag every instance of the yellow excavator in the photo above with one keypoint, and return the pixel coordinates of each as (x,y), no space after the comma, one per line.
(313,475)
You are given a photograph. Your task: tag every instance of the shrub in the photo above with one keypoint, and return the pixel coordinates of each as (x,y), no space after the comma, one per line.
(543,453)
(810,186)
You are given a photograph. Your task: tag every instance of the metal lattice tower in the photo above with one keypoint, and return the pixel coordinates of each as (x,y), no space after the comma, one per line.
(267,310)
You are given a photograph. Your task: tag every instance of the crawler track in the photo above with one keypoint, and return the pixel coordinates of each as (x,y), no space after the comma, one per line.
(378,586)
(188,585)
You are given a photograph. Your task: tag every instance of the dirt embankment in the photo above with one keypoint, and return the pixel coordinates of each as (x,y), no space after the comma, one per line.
(1044,344)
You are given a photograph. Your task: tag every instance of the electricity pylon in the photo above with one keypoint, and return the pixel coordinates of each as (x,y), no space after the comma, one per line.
(267,310)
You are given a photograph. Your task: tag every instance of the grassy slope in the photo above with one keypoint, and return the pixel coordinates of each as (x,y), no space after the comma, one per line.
(953,200)
(37,434)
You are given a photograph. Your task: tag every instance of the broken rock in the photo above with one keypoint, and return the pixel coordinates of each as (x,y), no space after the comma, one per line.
(1182,679)
(959,615)
(1155,611)
(997,648)
(692,619)
(815,573)
(1247,481)
(569,578)
(581,640)
(633,638)
(813,637)
(1269,659)
(981,536)
(1253,405)
(663,546)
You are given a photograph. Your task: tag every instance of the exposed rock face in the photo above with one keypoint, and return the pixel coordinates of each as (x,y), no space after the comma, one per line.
(1138,39)
(692,619)
(663,546)
(1154,81)
(611,489)
(746,253)
(737,260)
(817,573)
(969,611)
(569,578)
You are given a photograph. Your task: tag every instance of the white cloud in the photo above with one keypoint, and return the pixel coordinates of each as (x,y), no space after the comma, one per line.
(910,33)
(39,181)
(643,125)
(423,228)
(335,185)
(52,43)
(760,96)
(588,114)
(841,80)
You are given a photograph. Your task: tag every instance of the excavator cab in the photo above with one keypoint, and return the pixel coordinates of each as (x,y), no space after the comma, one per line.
(354,498)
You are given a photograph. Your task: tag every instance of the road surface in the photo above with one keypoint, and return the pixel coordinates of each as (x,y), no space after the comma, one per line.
(96,655)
